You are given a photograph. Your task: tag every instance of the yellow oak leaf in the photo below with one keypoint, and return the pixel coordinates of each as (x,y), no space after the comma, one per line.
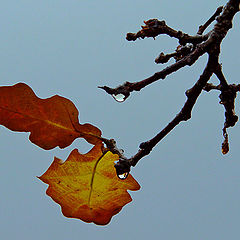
(87,187)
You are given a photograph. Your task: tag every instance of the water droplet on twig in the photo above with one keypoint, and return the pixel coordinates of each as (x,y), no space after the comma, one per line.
(119,97)
(123,176)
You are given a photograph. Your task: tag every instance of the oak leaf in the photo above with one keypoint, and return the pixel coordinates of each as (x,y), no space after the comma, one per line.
(52,121)
(87,187)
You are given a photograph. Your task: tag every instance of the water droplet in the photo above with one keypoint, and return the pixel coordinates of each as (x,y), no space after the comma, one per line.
(121,151)
(119,97)
(123,176)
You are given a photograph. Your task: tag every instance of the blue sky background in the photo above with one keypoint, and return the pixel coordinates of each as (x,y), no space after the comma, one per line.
(189,189)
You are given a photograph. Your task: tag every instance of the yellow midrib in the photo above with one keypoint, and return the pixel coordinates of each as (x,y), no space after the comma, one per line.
(92,178)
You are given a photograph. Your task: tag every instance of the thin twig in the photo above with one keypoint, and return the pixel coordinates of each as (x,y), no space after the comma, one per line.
(154,27)
(203,27)
(129,87)
(209,86)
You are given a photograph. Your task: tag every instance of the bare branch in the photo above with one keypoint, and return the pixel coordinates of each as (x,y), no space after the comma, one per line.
(209,43)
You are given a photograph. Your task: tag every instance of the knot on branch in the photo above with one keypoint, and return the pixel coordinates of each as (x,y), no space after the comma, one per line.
(183,51)
(145,147)
(180,53)
(162,58)
(112,146)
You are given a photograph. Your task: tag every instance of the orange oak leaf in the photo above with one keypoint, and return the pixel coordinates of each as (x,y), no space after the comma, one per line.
(51,122)
(87,187)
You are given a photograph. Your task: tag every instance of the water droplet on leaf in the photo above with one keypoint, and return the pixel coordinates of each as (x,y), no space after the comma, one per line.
(119,97)
(123,176)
